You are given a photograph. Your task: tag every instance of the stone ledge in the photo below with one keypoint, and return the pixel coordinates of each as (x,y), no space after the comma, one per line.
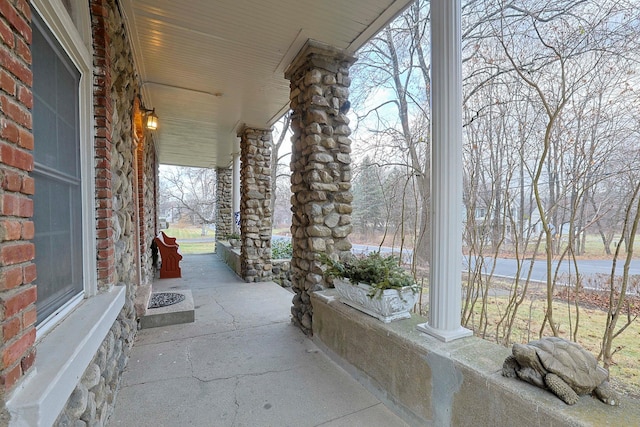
(62,357)
(429,382)
(229,255)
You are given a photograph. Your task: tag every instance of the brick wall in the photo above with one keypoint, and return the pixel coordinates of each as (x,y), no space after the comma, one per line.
(103,111)
(17,270)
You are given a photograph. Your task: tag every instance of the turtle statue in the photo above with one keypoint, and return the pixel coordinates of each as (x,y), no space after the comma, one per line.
(561,366)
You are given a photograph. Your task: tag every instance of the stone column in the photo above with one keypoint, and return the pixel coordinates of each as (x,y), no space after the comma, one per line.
(445,283)
(321,168)
(224,214)
(255,204)
(235,211)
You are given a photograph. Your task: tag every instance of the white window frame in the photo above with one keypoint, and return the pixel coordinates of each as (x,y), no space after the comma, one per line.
(77,45)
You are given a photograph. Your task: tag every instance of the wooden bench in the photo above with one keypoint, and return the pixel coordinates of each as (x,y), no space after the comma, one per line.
(169,256)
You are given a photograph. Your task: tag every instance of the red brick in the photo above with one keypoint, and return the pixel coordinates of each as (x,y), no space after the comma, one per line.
(18,299)
(28,230)
(104,213)
(26,139)
(104,264)
(9,377)
(103,223)
(17,21)
(15,67)
(102,244)
(11,328)
(103,152)
(25,96)
(102,183)
(10,277)
(105,253)
(12,181)
(104,203)
(16,350)
(6,35)
(28,185)
(29,274)
(15,112)
(15,253)
(23,7)
(29,317)
(7,83)
(25,209)
(23,50)
(27,361)
(10,230)
(10,205)
(98,10)
(13,156)
(104,193)
(9,131)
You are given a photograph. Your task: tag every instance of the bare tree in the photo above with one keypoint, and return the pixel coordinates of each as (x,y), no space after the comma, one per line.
(278,168)
(191,191)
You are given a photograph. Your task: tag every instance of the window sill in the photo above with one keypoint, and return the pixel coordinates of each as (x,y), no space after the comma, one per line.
(61,359)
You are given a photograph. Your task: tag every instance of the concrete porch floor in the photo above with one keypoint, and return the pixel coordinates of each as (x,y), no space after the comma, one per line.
(241,363)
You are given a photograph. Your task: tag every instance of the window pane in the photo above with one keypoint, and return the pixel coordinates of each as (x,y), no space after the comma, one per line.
(57,200)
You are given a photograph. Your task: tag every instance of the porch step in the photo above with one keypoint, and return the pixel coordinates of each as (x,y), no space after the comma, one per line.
(182,312)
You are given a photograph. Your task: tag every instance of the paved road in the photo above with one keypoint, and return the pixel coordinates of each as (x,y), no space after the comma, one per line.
(508,267)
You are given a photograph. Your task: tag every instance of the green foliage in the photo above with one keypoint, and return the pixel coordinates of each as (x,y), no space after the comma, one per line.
(375,270)
(233,236)
(281,248)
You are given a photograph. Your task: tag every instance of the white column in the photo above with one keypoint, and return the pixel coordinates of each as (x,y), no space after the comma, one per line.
(236,192)
(445,284)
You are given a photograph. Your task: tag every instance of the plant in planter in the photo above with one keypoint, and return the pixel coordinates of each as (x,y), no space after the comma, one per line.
(234,240)
(374,284)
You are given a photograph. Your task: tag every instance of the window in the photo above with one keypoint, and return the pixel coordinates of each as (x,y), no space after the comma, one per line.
(57,173)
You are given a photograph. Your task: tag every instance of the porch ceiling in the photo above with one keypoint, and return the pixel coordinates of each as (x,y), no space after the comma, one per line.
(208,67)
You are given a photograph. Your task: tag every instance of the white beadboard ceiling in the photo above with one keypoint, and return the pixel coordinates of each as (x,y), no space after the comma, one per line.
(210,66)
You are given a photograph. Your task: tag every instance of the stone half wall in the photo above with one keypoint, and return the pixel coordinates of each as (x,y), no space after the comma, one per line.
(282,272)
(321,169)
(432,383)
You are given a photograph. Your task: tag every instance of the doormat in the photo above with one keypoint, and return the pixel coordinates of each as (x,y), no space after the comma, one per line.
(164,299)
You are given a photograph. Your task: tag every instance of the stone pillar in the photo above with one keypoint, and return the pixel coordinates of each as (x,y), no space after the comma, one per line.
(445,285)
(223,203)
(255,204)
(321,168)
(235,211)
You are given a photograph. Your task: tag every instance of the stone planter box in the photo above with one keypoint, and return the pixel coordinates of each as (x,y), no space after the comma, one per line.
(393,304)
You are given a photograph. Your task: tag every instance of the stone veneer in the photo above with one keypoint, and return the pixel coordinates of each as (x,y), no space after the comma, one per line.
(255,204)
(321,168)
(149,202)
(282,272)
(224,214)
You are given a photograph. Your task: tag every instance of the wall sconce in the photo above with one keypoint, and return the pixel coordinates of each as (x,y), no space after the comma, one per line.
(151,120)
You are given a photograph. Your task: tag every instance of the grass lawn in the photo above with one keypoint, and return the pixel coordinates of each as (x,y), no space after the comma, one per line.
(187,247)
(183,235)
(188,233)
(625,372)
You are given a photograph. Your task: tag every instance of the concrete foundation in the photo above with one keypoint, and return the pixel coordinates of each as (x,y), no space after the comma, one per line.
(182,312)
